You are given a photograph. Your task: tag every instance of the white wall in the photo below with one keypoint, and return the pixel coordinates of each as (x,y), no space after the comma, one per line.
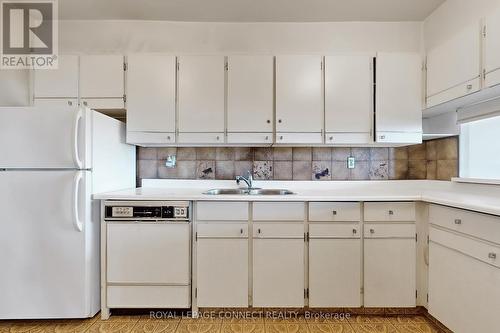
(202,38)
(452,16)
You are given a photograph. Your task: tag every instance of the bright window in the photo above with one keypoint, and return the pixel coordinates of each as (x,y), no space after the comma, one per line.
(480,149)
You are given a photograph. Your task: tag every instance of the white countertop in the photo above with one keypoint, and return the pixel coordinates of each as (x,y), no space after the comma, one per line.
(481,198)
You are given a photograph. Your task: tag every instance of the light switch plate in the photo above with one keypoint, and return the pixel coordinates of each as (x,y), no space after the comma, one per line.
(351,163)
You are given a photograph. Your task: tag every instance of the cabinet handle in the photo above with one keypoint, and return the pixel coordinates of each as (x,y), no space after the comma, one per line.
(492,255)
(372,231)
(382,137)
(391,212)
(70,103)
(469,86)
(85,103)
(241,231)
(217,138)
(354,231)
(281,137)
(168,138)
(334,212)
(268,121)
(267,137)
(330,138)
(258,231)
(458,221)
(279,121)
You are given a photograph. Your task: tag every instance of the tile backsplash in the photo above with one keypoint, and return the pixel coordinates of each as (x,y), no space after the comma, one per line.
(436,159)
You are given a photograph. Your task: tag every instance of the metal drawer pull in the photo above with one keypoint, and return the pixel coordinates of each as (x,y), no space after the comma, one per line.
(241,231)
(469,86)
(258,231)
(334,212)
(354,231)
(391,212)
(458,221)
(492,255)
(372,231)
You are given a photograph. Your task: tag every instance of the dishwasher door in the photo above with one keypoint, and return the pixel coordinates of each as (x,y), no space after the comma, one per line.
(150,253)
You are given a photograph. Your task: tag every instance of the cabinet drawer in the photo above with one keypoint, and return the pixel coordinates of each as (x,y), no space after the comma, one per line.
(322,230)
(389,230)
(257,138)
(148,296)
(150,137)
(389,211)
(278,230)
(201,138)
(299,138)
(475,224)
(278,211)
(476,249)
(222,230)
(334,211)
(221,211)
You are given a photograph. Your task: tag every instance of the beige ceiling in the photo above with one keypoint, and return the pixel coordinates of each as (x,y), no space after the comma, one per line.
(248,10)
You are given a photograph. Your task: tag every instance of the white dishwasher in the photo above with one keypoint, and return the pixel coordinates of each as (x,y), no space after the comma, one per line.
(148,257)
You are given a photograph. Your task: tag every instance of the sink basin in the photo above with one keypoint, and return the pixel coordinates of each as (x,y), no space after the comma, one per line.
(242,191)
(269,192)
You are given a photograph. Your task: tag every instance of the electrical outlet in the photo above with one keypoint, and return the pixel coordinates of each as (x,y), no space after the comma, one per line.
(351,163)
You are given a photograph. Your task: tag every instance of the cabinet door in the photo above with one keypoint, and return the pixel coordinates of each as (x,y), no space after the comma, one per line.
(389,272)
(299,98)
(151,93)
(348,99)
(101,76)
(58,83)
(463,291)
(278,272)
(453,67)
(201,94)
(250,91)
(222,272)
(334,272)
(398,98)
(492,49)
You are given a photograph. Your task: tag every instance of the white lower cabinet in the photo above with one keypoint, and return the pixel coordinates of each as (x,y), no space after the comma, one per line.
(389,265)
(222,265)
(334,265)
(278,265)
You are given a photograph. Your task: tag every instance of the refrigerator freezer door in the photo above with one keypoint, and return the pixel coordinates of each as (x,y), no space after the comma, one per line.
(46,253)
(43,137)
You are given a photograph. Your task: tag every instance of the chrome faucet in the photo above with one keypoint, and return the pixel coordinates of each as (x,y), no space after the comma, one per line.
(248,180)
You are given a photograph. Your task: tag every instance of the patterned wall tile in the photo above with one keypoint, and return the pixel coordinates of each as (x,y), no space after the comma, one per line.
(379,170)
(205,170)
(263,154)
(263,170)
(321,170)
(379,154)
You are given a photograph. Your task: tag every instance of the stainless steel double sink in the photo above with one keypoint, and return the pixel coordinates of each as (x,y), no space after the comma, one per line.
(243,191)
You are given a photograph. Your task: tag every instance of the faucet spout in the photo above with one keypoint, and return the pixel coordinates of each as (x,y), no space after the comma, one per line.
(248,180)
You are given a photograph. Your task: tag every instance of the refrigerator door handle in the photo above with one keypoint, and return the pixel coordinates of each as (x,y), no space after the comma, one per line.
(76,152)
(77,223)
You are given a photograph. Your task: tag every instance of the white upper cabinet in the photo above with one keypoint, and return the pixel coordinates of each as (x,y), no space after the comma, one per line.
(102,81)
(492,49)
(398,98)
(299,99)
(60,83)
(348,99)
(201,94)
(151,99)
(453,67)
(250,99)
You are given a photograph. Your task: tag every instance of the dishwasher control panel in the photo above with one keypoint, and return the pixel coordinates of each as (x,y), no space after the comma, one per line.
(147,210)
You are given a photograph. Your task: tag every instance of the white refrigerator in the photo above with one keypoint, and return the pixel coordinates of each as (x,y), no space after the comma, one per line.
(51,162)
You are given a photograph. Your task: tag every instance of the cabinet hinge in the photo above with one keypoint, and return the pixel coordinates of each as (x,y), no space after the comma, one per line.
(321,65)
(124,98)
(416,293)
(306,236)
(362,290)
(428,239)
(427,298)
(484,31)
(484,73)
(178,66)
(416,237)
(306,293)
(226,66)
(196,236)
(195,292)
(125,67)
